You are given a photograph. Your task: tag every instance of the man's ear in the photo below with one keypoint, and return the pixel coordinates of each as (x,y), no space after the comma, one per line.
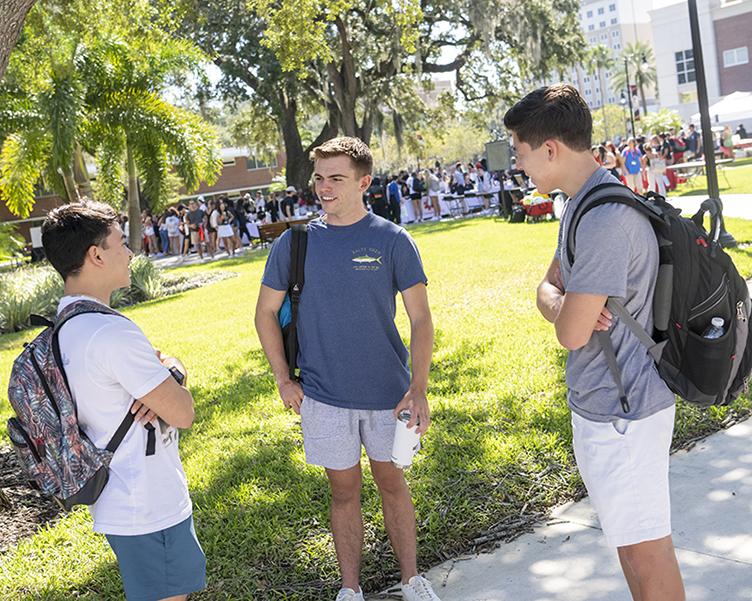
(552,146)
(94,255)
(365,183)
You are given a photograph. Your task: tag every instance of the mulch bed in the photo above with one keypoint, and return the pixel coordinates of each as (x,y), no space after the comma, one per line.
(29,509)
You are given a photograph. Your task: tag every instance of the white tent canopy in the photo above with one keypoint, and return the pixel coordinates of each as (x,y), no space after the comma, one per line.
(732,109)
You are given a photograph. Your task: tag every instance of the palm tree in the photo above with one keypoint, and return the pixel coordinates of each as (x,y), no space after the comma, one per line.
(41,142)
(642,73)
(597,59)
(133,126)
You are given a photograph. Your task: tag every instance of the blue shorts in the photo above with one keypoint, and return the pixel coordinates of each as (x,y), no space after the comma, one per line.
(162,564)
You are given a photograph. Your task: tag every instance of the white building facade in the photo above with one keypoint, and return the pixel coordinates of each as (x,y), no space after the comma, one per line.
(726,34)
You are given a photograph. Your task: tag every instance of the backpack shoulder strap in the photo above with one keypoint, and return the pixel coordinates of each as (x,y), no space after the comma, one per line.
(607,193)
(298,247)
(80,308)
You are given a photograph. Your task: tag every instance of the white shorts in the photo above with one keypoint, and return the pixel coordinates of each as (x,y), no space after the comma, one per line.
(332,436)
(624,465)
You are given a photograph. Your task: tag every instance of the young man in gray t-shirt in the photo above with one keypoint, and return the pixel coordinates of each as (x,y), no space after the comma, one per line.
(621,448)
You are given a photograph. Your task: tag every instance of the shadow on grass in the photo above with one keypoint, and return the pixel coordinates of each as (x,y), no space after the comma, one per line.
(262,514)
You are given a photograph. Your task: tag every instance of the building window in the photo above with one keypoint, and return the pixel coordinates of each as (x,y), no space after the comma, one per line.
(590,14)
(737,56)
(608,74)
(590,27)
(604,37)
(617,46)
(601,10)
(252,163)
(615,34)
(685,66)
(588,93)
(611,8)
(602,24)
(595,77)
(228,162)
(613,22)
(593,40)
(586,80)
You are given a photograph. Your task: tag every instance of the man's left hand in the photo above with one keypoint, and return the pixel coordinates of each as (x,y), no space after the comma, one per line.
(142,413)
(417,404)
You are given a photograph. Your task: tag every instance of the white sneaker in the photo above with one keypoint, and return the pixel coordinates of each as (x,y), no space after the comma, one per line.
(347,594)
(418,589)
(202,260)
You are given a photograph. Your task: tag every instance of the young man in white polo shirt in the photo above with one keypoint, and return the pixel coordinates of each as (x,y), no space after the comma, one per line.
(144,510)
(622,448)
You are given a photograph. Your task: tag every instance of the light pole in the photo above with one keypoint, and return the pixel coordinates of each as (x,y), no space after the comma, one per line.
(726,239)
(629,96)
(623,103)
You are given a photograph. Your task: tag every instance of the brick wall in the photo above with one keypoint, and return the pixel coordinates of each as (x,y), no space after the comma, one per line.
(730,33)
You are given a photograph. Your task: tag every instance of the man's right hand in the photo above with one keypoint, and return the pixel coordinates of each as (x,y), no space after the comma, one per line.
(291,393)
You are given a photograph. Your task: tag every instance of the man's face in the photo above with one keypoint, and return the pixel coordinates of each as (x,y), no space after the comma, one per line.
(192,205)
(536,164)
(117,256)
(339,186)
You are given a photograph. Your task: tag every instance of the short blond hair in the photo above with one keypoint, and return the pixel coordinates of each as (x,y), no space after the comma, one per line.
(354,148)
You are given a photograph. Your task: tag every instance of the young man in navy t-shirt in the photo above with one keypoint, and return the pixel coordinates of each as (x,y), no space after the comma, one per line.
(354,371)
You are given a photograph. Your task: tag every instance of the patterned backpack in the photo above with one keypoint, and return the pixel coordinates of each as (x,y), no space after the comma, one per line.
(56,455)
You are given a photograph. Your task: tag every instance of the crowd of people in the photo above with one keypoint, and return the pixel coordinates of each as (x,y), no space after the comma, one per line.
(388,194)
(642,162)
(215,225)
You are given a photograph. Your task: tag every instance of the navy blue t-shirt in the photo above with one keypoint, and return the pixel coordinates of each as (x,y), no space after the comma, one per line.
(351,353)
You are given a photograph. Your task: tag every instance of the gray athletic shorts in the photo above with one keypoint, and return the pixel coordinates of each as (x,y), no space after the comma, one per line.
(332,436)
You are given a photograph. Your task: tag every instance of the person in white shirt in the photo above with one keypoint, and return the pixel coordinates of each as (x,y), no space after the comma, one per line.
(145,510)
(484,184)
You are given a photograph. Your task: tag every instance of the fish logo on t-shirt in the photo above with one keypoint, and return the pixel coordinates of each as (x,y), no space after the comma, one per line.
(367,259)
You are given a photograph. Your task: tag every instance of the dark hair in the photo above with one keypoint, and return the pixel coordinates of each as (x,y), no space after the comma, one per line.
(557,112)
(72,229)
(356,149)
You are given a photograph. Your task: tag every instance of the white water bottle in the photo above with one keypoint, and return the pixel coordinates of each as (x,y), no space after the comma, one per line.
(406,442)
(715,329)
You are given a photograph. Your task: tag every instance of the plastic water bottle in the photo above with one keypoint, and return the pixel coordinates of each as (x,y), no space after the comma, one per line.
(715,329)
(406,442)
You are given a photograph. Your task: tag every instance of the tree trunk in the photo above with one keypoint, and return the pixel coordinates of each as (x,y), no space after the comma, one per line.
(345,84)
(642,95)
(603,104)
(81,173)
(12,16)
(134,204)
(70,185)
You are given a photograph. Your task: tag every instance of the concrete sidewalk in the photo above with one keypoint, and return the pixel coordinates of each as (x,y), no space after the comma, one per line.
(734,205)
(567,560)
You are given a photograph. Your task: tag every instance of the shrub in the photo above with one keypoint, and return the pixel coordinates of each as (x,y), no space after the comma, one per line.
(27,291)
(146,280)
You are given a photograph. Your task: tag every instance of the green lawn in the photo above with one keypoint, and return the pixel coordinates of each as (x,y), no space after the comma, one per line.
(499,445)
(733,178)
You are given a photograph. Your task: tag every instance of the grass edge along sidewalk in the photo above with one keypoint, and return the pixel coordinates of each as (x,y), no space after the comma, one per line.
(499,446)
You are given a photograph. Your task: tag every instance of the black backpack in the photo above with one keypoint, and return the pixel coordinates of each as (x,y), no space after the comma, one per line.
(696,281)
(289,321)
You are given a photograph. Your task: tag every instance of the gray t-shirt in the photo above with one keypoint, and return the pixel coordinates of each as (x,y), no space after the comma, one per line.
(351,353)
(616,255)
